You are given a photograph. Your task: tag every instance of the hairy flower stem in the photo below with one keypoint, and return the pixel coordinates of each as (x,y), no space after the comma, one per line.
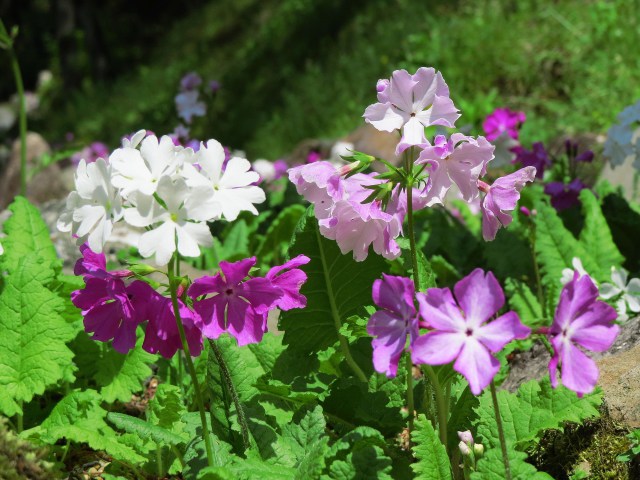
(228,381)
(173,287)
(344,343)
(410,404)
(532,230)
(441,404)
(503,443)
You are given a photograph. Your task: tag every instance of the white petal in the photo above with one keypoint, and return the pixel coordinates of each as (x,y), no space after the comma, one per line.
(159,241)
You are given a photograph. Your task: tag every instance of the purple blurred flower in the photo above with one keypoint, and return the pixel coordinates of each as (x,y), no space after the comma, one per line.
(580,320)
(190,82)
(189,106)
(214,86)
(313,156)
(537,157)
(412,103)
(461,160)
(501,198)
(91,153)
(462,331)
(396,319)
(503,120)
(571,149)
(237,306)
(564,196)
(162,335)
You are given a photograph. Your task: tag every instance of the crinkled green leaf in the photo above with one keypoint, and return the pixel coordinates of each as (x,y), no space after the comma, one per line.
(166,408)
(337,288)
(359,454)
(143,429)
(33,350)
(195,456)
(491,467)
(275,244)
(524,302)
(119,376)
(26,234)
(268,350)
(534,408)
(78,417)
(433,462)
(596,237)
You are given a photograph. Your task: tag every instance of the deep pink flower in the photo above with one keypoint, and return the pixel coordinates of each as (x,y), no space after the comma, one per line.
(536,157)
(162,335)
(503,120)
(580,320)
(396,319)
(95,265)
(564,196)
(313,157)
(91,153)
(113,310)
(412,103)
(462,331)
(289,279)
(237,306)
(501,198)
(461,160)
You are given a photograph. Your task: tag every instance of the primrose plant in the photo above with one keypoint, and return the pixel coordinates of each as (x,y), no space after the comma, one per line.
(422,365)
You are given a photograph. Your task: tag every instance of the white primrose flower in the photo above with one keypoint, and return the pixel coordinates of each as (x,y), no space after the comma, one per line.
(264,168)
(93,207)
(629,292)
(140,170)
(232,190)
(135,139)
(176,225)
(339,150)
(567,273)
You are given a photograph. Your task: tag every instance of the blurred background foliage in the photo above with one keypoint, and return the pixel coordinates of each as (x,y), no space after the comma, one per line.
(297,69)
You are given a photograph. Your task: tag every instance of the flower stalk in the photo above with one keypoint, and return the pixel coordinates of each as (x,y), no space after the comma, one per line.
(503,443)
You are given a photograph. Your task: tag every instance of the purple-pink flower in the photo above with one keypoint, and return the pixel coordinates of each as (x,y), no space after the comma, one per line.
(501,198)
(563,195)
(91,153)
(461,160)
(536,157)
(461,329)
(190,81)
(391,325)
(503,120)
(412,103)
(289,279)
(580,321)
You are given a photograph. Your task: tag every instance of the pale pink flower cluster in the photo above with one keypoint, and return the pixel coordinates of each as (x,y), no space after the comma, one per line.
(168,190)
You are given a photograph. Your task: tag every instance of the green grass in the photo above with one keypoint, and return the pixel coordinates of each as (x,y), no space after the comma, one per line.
(296,69)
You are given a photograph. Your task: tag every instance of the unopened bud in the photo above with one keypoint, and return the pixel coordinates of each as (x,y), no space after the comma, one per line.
(464,449)
(478,451)
(466,437)
(347,169)
(142,269)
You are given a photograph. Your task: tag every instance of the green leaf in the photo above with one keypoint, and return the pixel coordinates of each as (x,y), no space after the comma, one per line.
(491,467)
(166,408)
(78,417)
(359,454)
(143,429)
(275,244)
(26,234)
(122,375)
(195,455)
(433,462)
(556,247)
(462,416)
(337,288)
(523,301)
(268,350)
(33,350)
(535,407)
(597,239)
(236,242)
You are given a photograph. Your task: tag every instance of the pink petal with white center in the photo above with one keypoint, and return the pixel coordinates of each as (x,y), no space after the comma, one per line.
(497,333)
(480,297)
(426,85)
(412,134)
(401,90)
(442,112)
(384,117)
(477,365)
(437,348)
(579,372)
(439,309)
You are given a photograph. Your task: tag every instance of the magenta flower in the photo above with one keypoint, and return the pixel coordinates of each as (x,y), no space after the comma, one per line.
(461,160)
(391,325)
(313,157)
(503,120)
(95,265)
(113,310)
(580,320)
(462,331)
(91,153)
(563,195)
(412,103)
(289,279)
(501,198)
(190,81)
(536,157)
(162,335)
(237,306)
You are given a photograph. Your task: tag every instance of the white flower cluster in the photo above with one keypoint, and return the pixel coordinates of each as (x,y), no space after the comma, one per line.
(169,190)
(623,138)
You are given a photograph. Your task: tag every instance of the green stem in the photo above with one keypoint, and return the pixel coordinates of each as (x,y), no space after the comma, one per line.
(503,443)
(537,270)
(344,344)
(178,455)
(22,121)
(410,404)
(440,403)
(20,421)
(226,376)
(412,236)
(159,461)
(187,353)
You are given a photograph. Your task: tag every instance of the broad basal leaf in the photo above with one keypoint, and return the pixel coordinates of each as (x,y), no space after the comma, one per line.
(433,462)
(524,302)
(33,351)
(491,467)
(275,243)
(144,430)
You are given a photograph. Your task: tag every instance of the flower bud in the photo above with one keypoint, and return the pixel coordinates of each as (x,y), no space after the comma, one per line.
(464,449)
(466,437)
(478,451)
